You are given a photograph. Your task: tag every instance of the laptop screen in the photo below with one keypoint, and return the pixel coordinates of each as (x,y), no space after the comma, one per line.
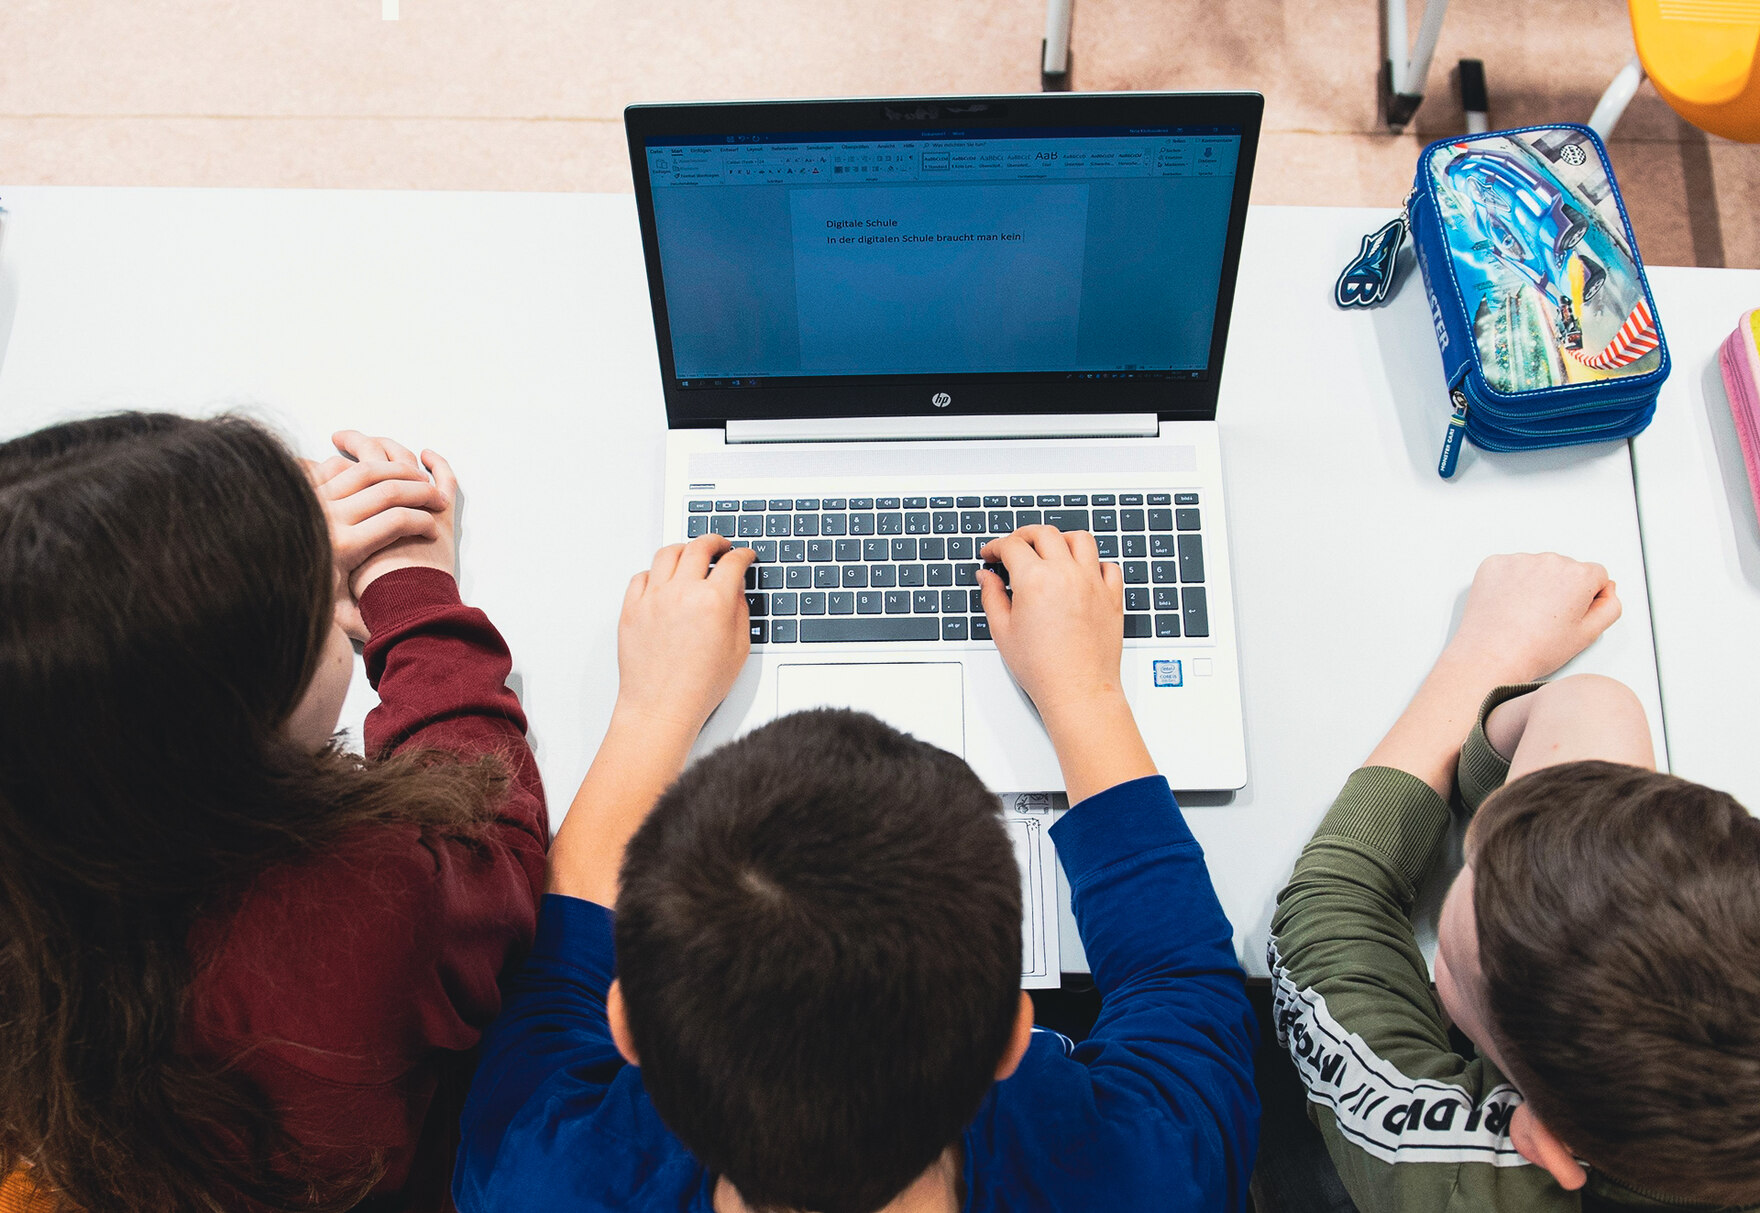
(856,264)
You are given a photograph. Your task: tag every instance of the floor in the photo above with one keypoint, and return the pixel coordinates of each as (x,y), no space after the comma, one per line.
(527,94)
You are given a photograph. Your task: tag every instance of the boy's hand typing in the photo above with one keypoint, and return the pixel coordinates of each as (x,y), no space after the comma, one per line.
(1062,637)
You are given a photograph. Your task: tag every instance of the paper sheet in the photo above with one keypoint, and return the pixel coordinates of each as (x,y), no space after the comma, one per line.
(1028,817)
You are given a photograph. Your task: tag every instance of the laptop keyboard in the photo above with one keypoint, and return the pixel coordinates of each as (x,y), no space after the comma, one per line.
(843,569)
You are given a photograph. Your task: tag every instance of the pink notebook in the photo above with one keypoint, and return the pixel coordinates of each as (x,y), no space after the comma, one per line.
(1741,380)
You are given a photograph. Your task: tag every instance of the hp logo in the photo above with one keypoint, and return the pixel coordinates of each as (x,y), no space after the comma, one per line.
(941,400)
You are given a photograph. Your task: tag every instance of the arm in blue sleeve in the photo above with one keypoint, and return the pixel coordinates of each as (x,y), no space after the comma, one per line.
(1175,1035)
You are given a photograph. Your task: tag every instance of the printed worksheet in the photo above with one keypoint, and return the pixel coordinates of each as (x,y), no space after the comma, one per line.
(1028,816)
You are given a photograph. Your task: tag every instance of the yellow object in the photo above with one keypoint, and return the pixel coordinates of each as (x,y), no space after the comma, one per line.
(1700,55)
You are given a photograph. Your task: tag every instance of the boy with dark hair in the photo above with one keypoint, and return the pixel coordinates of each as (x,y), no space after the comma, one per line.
(816,1002)
(1600,949)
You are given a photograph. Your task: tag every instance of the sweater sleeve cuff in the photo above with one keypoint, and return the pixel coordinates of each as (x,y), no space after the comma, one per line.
(1124,820)
(1392,813)
(1482,770)
(405,596)
(577,935)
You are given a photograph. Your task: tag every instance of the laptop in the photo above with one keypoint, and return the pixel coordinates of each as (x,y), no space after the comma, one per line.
(890,330)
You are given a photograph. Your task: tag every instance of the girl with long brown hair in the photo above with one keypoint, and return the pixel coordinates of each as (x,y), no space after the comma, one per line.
(240,968)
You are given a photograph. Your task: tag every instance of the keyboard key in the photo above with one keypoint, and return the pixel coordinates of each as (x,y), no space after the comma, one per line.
(1130,520)
(898,602)
(814,603)
(1136,572)
(834,524)
(752,525)
(861,503)
(861,524)
(1166,598)
(757,604)
(932,549)
(971,522)
(1197,611)
(975,601)
(1162,546)
(760,631)
(725,505)
(806,524)
(1048,499)
(770,576)
(1017,500)
(1160,520)
(1164,571)
(1167,626)
(904,549)
(1105,499)
(1130,499)
(834,503)
(1028,518)
(946,522)
(1067,520)
(1160,499)
(941,503)
(1185,499)
(1108,545)
(783,631)
(842,603)
(941,574)
(916,523)
(855,576)
(752,505)
(953,600)
(995,501)
(910,575)
(782,503)
(751,577)
(960,549)
(886,503)
(695,526)
(847,551)
(1075,499)
(1191,560)
(916,503)
(1185,520)
(892,524)
(792,551)
(965,574)
(980,627)
(1000,522)
(885,627)
(925,602)
(784,604)
(1105,520)
(1137,627)
(700,507)
(774,525)
(806,503)
(1134,546)
(765,549)
(825,577)
(875,549)
(883,576)
(1136,598)
(723,524)
(870,602)
(953,627)
(820,551)
(970,503)
(799,577)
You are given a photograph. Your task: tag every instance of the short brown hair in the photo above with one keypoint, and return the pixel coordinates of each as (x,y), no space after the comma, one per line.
(1618,913)
(819,944)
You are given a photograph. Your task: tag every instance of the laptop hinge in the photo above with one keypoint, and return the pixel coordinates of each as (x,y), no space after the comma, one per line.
(930,429)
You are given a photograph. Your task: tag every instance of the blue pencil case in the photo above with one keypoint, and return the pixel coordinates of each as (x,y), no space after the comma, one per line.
(1548,331)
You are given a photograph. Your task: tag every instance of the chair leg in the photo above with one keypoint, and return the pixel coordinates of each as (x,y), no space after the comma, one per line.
(1054,50)
(1618,95)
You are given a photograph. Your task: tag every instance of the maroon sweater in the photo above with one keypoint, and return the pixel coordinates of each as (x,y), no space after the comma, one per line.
(353,987)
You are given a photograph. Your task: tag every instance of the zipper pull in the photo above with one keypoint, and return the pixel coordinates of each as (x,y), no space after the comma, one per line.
(1451,441)
(1369,279)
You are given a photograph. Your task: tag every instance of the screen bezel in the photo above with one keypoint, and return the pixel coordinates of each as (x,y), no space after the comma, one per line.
(971,394)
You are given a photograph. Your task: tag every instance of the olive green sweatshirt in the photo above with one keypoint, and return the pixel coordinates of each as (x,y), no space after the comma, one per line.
(1411,1124)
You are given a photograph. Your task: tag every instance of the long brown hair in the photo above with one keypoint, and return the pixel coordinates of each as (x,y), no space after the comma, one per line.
(165,591)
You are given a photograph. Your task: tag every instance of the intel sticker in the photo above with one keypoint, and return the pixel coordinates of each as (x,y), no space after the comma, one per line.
(1167,674)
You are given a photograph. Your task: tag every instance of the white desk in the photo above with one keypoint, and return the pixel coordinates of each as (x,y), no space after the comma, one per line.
(512,333)
(1701,541)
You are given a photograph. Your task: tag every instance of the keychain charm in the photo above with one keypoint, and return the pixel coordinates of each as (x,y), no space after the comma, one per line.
(1367,280)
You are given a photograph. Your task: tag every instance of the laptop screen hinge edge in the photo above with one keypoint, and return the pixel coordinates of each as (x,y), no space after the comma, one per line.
(943,429)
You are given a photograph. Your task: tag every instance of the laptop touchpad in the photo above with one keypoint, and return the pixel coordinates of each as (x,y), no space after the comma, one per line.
(925,699)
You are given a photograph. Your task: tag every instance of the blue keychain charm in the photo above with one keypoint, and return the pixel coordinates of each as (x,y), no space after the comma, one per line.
(1367,280)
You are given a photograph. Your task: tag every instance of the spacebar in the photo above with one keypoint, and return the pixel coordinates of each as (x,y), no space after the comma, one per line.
(878,627)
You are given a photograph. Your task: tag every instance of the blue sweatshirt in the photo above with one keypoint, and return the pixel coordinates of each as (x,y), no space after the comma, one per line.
(1154,1111)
